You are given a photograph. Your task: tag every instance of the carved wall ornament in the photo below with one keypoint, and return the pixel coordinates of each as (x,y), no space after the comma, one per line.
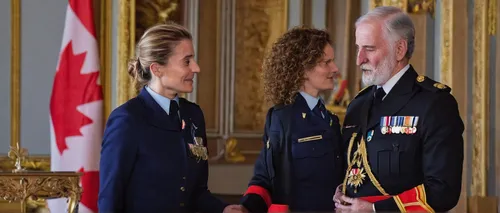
(135,17)
(480,108)
(151,12)
(410,6)
(25,186)
(18,154)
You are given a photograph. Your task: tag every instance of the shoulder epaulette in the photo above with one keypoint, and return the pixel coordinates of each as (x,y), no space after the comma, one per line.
(363,91)
(432,85)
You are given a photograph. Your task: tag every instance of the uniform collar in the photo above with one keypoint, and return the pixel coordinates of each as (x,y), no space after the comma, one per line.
(310,100)
(164,102)
(394,79)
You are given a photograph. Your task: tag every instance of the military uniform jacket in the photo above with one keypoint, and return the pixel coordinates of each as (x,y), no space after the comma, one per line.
(147,160)
(407,153)
(275,173)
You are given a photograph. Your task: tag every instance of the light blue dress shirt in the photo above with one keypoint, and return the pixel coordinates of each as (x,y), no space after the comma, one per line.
(312,101)
(164,102)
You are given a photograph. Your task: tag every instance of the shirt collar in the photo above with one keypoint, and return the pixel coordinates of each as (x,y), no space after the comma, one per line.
(311,101)
(164,102)
(394,79)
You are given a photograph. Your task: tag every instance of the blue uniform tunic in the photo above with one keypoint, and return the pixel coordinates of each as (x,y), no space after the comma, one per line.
(146,163)
(301,163)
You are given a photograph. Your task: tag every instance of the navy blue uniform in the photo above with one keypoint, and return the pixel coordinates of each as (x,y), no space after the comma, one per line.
(146,163)
(301,163)
(406,150)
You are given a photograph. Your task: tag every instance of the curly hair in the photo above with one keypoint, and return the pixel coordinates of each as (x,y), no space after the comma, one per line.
(296,51)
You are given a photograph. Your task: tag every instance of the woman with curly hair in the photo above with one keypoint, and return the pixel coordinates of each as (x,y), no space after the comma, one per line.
(301,163)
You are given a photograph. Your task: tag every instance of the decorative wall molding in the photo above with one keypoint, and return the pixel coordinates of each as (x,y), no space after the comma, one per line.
(480,108)
(105,18)
(15,72)
(126,48)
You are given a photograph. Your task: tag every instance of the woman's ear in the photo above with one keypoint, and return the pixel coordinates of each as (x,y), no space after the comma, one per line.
(306,74)
(155,69)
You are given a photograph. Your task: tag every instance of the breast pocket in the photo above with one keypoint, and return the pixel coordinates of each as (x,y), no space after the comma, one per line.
(397,154)
(310,146)
(310,153)
(272,148)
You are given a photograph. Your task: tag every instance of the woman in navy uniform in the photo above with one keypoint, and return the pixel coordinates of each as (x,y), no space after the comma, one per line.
(154,156)
(301,163)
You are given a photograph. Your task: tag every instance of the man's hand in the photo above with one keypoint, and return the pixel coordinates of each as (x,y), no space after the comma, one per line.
(353,205)
(235,209)
(338,194)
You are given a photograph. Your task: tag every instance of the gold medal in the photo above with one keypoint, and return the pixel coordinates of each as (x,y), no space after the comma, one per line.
(199,150)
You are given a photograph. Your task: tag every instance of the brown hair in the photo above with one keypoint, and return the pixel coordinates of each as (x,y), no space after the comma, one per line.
(155,46)
(296,51)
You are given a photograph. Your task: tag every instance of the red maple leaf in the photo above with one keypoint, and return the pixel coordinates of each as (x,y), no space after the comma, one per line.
(90,187)
(71,89)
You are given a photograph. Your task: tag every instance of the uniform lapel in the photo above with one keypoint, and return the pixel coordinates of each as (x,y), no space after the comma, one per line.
(185,113)
(155,115)
(397,98)
(307,114)
(365,111)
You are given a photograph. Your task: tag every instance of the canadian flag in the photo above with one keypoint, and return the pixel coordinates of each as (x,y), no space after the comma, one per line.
(76,106)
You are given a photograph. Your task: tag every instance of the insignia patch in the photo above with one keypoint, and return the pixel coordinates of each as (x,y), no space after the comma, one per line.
(370,135)
(439,85)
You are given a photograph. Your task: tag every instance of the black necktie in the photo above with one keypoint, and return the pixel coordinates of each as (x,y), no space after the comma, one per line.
(320,111)
(379,95)
(174,112)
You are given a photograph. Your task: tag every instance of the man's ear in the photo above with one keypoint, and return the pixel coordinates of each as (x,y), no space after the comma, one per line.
(401,49)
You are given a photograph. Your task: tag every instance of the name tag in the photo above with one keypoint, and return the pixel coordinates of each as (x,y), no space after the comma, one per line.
(310,138)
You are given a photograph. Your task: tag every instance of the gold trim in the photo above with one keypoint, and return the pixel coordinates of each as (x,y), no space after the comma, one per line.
(368,168)
(375,3)
(446,41)
(420,78)
(30,163)
(410,6)
(400,204)
(480,99)
(349,149)
(126,48)
(310,138)
(23,187)
(413,204)
(105,54)
(403,4)
(15,72)
(422,198)
(492,17)
(366,165)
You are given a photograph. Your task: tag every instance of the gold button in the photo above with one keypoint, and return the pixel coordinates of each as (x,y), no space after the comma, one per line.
(182,204)
(182,188)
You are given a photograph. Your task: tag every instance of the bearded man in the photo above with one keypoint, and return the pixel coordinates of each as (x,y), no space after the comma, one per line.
(403,132)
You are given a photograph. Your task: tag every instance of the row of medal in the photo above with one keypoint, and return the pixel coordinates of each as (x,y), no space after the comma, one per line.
(398,124)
